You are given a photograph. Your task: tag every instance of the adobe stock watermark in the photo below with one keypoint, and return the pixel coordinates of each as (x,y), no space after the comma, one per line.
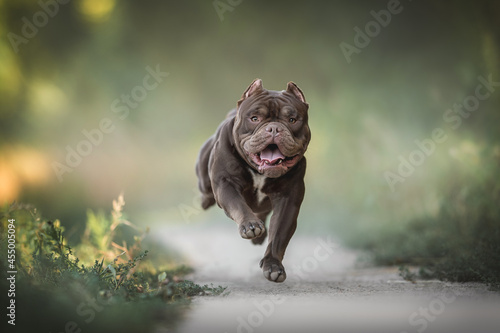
(454,117)
(30,28)
(223,6)
(86,311)
(421,318)
(193,209)
(372,29)
(298,273)
(120,106)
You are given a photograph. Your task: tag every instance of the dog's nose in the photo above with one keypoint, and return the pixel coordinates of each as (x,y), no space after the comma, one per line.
(273,129)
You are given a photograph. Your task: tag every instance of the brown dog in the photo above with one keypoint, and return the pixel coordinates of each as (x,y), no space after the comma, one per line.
(254,164)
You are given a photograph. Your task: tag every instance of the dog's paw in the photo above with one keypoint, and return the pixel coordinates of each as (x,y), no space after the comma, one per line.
(260,239)
(273,270)
(207,201)
(249,230)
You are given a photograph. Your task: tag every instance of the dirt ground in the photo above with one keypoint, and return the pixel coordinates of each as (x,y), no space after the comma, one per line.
(325,290)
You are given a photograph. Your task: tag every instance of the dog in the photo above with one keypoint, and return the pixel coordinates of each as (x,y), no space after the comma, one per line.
(255,164)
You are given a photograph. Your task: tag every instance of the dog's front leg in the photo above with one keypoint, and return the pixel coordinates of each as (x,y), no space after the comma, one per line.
(228,196)
(281,229)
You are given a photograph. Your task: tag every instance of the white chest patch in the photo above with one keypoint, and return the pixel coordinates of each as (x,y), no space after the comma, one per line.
(258,183)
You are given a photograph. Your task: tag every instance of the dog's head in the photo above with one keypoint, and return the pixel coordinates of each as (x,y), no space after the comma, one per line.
(270,130)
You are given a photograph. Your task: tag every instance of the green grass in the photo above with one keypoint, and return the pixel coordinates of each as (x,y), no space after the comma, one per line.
(97,286)
(460,243)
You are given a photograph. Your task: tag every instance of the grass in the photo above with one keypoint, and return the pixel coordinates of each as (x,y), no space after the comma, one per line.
(103,284)
(460,243)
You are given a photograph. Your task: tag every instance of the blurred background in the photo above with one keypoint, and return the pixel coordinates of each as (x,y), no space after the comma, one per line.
(85,67)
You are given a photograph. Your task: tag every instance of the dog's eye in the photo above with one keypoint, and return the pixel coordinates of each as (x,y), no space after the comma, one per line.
(292,120)
(254,119)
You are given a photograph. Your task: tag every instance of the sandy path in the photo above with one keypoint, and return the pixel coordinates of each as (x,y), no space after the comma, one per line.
(324,291)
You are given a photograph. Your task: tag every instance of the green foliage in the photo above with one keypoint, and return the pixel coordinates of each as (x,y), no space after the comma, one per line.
(50,269)
(97,227)
(461,243)
(406,274)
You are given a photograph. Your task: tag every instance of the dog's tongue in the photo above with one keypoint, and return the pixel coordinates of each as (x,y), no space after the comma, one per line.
(271,154)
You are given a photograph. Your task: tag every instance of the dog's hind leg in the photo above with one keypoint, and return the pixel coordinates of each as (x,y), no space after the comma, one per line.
(204,184)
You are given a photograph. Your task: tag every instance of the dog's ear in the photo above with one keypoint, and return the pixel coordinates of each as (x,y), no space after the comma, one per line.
(295,91)
(252,89)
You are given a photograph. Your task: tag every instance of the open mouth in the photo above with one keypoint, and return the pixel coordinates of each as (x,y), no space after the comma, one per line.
(271,157)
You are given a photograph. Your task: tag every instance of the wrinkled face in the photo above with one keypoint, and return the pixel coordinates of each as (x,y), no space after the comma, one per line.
(271,130)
